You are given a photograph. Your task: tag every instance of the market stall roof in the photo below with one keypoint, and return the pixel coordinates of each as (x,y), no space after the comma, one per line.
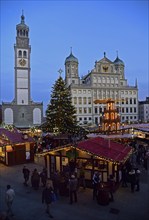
(13,137)
(112,136)
(102,148)
(106,149)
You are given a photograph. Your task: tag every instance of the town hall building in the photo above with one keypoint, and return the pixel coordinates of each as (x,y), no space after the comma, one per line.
(105,81)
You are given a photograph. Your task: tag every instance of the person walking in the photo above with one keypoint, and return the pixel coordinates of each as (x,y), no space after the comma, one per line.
(111,183)
(132,179)
(96,182)
(73,184)
(35,179)
(47,198)
(124,176)
(26,173)
(82,178)
(137,173)
(43,176)
(10,194)
(56,182)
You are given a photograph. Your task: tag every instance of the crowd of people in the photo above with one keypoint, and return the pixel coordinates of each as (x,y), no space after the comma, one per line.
(68,182)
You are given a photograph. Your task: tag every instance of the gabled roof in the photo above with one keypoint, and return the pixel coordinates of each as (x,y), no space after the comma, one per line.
(13,137)
(100,147)
(104,60)
(105,149)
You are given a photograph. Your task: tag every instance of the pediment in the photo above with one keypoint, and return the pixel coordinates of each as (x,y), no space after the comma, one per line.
(105,60)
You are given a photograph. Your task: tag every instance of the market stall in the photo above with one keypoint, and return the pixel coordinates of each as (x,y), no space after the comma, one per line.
(95,154)
(15,147)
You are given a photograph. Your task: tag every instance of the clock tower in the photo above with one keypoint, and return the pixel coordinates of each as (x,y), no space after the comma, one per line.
(22,64)
(22,112)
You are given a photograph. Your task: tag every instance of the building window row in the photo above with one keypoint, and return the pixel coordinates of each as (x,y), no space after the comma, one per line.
(128,92)
(84,110)
(81,91)
(82,100)
(129,118)
(129,110)
(106,80)
(83,119)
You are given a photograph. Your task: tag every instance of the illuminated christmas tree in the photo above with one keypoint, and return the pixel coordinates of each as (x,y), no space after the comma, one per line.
(60,113)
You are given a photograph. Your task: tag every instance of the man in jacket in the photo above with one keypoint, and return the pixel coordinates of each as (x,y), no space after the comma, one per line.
(10,194)
(73,184)
(47,198)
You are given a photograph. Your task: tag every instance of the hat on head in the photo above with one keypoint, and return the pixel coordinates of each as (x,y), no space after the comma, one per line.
(72,176)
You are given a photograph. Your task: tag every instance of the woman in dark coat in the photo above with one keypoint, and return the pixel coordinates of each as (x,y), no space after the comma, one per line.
(47,198)
(35,179)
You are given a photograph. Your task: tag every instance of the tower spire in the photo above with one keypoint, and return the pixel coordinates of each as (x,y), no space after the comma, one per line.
(22,17)
(70,50)
(117,53)
(136,83)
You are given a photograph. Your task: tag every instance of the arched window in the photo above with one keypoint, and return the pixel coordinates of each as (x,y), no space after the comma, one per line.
(36,116)
(20,53)
(8,116)
(24,53)
(26,33)
(21,32)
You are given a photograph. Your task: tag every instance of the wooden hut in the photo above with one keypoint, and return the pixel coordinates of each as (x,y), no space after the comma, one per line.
(15,147)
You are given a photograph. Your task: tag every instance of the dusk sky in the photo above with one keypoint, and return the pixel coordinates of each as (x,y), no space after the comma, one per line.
(89,27)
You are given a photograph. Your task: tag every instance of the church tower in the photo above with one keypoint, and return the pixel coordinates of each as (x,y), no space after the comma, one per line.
(22,112)
(71,70)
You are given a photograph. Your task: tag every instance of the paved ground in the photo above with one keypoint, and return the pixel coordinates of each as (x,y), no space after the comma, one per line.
(28,206)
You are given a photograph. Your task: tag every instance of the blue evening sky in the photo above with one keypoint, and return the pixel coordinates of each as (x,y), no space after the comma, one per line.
(89,27)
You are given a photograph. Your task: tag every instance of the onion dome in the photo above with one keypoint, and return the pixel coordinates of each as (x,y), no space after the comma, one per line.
(71,58)
(22,24)
(118,61)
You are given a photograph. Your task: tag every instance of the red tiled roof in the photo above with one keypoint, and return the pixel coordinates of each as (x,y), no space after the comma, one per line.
(106,149)
(13,137)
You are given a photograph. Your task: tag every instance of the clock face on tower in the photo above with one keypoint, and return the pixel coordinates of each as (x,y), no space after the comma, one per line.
(22,62)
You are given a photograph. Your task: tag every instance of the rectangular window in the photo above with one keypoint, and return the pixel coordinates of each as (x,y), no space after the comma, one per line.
(96,110)
(130,100)
(75,100)
(90,110)
(80,110)
(85,110)
(22,115)
(126,100)
(130,110)
(80,100)
(126,110)
(135,110)
(135,101)
(84,100)
(89,100)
